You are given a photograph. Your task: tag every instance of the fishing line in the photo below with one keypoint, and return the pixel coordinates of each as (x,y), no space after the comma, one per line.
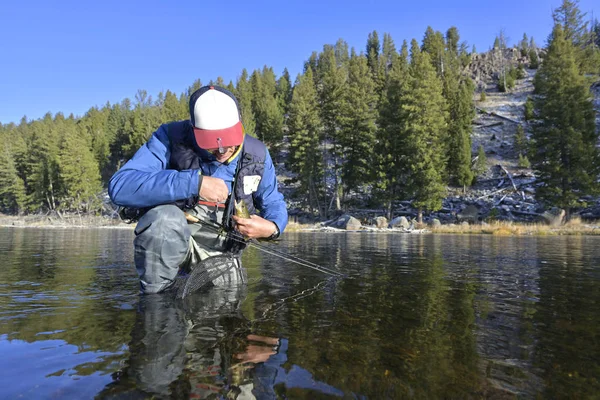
(218,228)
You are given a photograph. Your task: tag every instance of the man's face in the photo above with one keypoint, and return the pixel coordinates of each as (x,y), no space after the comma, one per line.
(222,157)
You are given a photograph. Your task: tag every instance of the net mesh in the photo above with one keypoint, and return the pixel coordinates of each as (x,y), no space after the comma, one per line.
(202,275)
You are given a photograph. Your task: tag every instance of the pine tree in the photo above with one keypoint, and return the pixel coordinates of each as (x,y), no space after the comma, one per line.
(372,52)
(94,127)
(358,115)
(458,91)
(520,140)
(595,29)
(304,133)
(42,180)
(115,125)
(433,44)
(266,108)
(341,52)
(426,132)
(12,187)
(566,158)
(245,96)
(284,91)
(140,125)
(534,61)
(79,173)
(172,109)
(523,161)
(571,19)
(332,80)
(524,46)
(391,167)
(481,163)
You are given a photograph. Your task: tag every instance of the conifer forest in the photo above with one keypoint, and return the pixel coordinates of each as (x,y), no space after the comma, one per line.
(389,122)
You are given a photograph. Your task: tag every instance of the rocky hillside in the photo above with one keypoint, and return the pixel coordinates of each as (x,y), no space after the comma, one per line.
(504,191)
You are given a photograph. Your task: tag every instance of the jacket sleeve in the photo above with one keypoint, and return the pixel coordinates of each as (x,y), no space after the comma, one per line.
(145,181)
(268,199)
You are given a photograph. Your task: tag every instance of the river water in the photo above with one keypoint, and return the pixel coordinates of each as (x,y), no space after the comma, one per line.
(416,316)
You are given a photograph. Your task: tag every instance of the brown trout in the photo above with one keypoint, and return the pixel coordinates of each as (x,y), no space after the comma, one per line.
(241,209)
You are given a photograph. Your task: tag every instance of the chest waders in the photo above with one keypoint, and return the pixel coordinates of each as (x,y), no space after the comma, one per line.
(213,255)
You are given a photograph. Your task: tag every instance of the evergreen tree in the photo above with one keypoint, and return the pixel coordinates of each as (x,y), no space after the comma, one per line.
(575,30)
(312,64)
(79,174)
(388,52)
(523,161)
(42,180)
(304,125)
(115,125)
(358,115)
(596,32)
(529,109)
(458,91)
(266,108)
(571,19)
(172,109)
(434,45)
(524,46)
(500,63)
(372,53)
(12,187)
(94,128)
(520,140)
(331,90)
(534,61)
(341,52)
(481,163)
(391,166)
(140,125)
(245,96)
(566,158)
(426,132)
(284,91)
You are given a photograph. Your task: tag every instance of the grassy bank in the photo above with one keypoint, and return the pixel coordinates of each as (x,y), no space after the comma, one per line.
(573,227)
(62,221)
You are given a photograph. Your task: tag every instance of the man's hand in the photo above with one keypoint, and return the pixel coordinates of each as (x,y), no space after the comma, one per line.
(254,227)
(213,189)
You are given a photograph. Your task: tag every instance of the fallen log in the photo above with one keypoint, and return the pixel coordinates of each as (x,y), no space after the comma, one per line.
(496,115)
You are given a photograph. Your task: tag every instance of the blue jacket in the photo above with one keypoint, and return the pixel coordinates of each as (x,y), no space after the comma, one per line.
(147,181)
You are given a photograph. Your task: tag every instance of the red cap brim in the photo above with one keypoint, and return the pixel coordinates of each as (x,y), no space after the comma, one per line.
(213,139)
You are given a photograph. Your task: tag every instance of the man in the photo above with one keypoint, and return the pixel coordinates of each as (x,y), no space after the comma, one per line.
(199,166)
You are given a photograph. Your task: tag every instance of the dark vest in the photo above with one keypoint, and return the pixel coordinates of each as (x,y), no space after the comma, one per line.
(184,156)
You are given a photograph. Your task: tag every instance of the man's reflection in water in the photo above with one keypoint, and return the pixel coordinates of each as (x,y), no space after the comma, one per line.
(202,347)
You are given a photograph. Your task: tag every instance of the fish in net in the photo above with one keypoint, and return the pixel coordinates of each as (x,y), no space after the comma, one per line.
(202,275)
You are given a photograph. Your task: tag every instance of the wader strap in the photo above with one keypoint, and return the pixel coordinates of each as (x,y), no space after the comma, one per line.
(231,199)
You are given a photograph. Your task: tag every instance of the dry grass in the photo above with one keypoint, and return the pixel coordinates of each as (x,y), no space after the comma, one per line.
(573,227)
(65,221)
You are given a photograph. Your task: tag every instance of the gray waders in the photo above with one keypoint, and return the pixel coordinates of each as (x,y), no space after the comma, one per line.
(166,244)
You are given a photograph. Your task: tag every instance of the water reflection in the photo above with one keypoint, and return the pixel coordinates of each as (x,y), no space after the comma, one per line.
(203,346)
(417,316)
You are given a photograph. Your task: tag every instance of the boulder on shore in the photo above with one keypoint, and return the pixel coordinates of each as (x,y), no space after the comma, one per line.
(347,222)
(381,222)
(399,222)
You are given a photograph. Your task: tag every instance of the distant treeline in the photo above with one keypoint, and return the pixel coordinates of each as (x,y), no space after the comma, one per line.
(382,124)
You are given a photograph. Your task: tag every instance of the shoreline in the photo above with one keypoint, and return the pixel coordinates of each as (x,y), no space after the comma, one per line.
(572,228)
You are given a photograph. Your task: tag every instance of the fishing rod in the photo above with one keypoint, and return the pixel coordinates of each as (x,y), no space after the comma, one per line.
(216,227)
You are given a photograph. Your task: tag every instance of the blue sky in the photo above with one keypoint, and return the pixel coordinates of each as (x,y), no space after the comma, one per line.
(69,56)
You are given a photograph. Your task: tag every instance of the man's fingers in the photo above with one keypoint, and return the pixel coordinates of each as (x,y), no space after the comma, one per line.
(213,189)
